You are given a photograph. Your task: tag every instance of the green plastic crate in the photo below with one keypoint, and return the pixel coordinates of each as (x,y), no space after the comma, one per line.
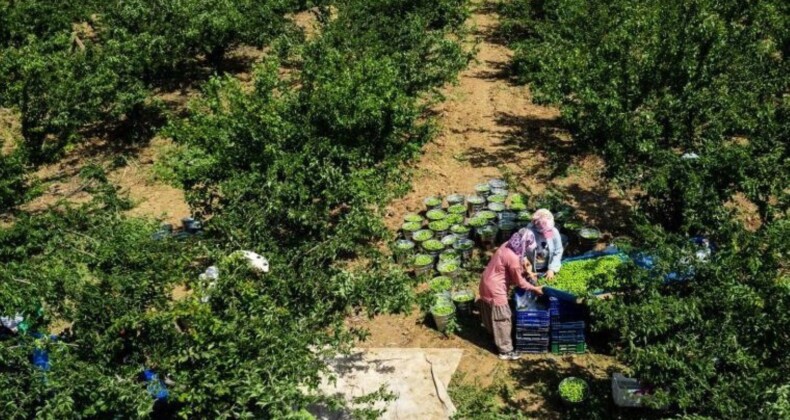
(579,348)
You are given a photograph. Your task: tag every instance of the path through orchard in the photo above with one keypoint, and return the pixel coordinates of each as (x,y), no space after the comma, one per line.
(490,125)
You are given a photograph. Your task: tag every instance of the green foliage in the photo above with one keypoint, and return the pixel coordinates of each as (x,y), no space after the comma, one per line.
(12,180)
(92,65)
(643,83)
(686,102)
(290,172)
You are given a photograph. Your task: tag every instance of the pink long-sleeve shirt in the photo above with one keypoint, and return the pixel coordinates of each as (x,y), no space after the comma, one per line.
(504,270)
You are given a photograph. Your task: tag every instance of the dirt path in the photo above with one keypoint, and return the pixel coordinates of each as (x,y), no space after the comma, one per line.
(490,125)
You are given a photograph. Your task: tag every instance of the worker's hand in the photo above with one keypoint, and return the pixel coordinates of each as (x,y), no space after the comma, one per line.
(549,274)
(538,290)
(532,276)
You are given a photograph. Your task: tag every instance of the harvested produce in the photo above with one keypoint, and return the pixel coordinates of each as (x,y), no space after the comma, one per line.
(413,217)
(461,229)
(440,284)
(443,309)
(475,199)
(449,255)
(497,207)
(411,226)
(497,199)
(573,389)
(464,296)
(447,267)
(439,225)
(457,209)
(455,199)
(421,260)
(422,235)
(478,222)
(486,214)
(498,183)
(433,201)
(404,245)
(454,219)
(464,244)
(435,214)
(482,188)
(449,240)
(432,245)
(574,277)
(524,216)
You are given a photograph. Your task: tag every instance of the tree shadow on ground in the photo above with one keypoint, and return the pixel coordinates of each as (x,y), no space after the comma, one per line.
(559,157)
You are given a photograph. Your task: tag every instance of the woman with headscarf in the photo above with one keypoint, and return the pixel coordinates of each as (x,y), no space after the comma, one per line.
(546,256)
(508,267)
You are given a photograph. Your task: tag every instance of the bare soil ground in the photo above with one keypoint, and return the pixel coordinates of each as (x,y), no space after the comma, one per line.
(490,126)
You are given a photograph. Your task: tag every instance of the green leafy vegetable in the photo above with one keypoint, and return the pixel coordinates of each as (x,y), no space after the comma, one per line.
(421,260)
(432,245)
(413,217)
(457,209)
(575,276)
(573,389)
(422,235)
(439,225)
(435,214)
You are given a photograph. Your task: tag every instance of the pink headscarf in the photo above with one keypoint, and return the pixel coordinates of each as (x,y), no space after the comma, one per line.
(543,221)
(521,242)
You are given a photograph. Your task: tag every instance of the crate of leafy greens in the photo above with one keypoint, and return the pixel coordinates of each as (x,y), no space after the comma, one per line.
(433,203)
(433,247)
(497,199)
(496,207)
(449,240)
(407,229)
(413,217)
(487,214)
(464,300)
(487,234)
(421,235)
(436,214)
(464,247)
(439,228)
(449,268)
(498,183)
(402,249)
(483,190)
(442,312)
(506,229)
(573,390)
(455,219)
(460,231)
(517,207)
(474,204)
(457,209)
(455,199)
(576,273)
(423,264)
